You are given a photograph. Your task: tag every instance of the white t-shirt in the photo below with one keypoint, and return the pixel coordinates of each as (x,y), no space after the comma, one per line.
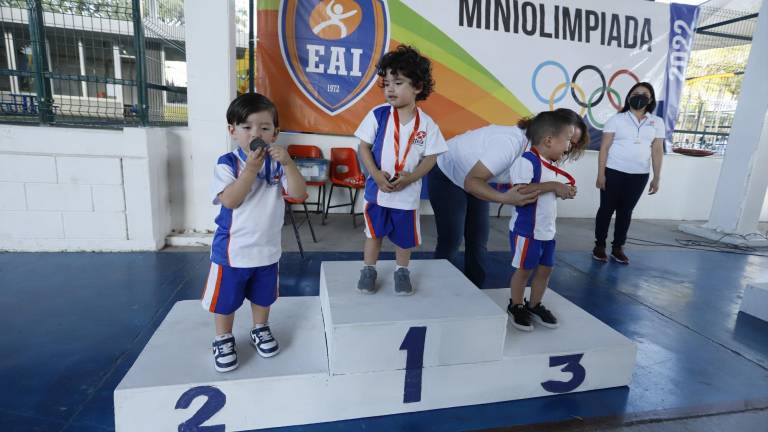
(630,151)
(248,236)
(542,214)
(377,128)
(496,147)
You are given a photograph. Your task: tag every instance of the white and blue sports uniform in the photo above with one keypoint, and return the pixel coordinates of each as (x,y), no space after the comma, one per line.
(246,245)
(532,227)
(395,214)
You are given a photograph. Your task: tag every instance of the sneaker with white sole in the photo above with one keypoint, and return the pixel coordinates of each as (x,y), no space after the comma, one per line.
(265,343)
(521,317)
(224,353)
(542,315)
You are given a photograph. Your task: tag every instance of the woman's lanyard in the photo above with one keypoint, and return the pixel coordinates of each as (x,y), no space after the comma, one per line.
(638,125)
(571,181)
(398,164)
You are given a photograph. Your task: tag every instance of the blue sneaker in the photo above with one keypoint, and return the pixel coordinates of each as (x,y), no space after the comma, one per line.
(265,343)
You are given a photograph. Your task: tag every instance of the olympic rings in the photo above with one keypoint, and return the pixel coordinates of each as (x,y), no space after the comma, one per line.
(570,83)
(613,77)
(562,86)
(536,74)
(592,120)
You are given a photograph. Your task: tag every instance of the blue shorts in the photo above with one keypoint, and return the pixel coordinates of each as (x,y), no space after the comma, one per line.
(527,253)
(401,227)
(227,287)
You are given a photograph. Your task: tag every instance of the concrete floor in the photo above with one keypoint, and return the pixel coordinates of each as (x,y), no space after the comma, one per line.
(572,234)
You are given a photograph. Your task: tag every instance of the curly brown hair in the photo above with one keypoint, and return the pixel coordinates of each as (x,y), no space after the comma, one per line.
(410,63)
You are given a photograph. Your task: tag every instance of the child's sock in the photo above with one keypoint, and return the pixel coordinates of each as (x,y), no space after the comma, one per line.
(398,267)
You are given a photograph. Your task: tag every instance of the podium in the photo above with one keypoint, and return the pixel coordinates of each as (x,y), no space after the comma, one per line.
(347,355)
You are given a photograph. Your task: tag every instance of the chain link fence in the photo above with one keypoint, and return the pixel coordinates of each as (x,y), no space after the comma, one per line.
(714,76)
(102,63)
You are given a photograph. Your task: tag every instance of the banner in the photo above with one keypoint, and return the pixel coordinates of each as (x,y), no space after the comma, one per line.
(682,23)
(494,61)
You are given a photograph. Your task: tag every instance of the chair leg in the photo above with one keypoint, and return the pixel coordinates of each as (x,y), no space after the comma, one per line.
(327,206)
(498,213)
(295,231)
(325,189)
(354,200)
(309,222)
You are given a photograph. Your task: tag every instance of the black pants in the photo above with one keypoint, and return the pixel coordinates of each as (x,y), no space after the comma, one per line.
(622,191)
(458,215)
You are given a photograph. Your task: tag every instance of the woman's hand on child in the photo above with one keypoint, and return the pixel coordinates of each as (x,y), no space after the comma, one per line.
(279,154)
(519,195)
(382,181)
(255,160)
(403,179)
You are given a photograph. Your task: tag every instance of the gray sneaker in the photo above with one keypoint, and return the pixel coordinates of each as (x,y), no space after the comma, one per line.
(403,282)
(367,282)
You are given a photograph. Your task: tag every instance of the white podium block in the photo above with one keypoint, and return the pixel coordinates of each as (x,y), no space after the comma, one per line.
(465,326)
(173,385)
(755,300)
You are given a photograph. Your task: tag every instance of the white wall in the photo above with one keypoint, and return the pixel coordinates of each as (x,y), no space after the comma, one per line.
(83,189)
(687,185)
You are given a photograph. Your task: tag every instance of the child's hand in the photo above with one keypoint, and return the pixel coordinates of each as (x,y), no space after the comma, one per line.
(565,191)
(403,179)
(279,154)
(382,180)
(255,160)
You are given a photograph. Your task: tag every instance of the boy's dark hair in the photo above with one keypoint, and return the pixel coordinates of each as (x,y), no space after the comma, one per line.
(576,150)
(249,103)
(544,124)
(651,107)
(408,62)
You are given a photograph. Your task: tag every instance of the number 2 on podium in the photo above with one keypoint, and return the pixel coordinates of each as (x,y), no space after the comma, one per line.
(413,345)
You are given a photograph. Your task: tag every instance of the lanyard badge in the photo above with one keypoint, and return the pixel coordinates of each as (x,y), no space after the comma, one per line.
(399,165)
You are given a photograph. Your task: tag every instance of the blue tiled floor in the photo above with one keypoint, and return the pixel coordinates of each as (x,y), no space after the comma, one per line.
(76,322)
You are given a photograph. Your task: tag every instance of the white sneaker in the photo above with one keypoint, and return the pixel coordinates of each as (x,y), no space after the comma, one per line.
(265,343)
(224,353)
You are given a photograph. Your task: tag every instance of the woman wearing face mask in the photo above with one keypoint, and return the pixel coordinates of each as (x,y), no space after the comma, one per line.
(633,143)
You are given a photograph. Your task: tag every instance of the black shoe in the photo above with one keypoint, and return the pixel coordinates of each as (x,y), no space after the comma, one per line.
(542,315)
(598,254)
(521,318)
(618,255)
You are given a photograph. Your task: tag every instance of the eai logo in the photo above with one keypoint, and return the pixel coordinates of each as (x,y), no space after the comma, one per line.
(331,48)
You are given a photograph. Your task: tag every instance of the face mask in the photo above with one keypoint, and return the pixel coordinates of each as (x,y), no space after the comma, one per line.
(639,101)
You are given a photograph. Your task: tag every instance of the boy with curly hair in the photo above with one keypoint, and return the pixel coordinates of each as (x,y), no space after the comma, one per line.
(399,144)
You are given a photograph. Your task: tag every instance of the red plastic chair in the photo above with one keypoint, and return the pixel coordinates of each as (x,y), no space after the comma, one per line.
(309,151)
(346,173)
(289,202)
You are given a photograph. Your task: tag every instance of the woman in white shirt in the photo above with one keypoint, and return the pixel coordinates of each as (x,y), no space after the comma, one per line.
(459,191)
(633,143)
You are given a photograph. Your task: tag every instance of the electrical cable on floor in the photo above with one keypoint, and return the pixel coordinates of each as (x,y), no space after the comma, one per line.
(710,245)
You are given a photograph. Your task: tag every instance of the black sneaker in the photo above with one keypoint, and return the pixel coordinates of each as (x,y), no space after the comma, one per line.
(224,353)
(598,254)
(542,315)
(521,318)
(266,344)
(617,254)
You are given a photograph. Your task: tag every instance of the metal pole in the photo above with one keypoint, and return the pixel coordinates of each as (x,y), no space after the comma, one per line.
(141,64)
(40,61)
(251,46)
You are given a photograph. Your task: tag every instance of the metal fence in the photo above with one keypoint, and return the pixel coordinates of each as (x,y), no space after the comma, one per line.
(714,76)
(103,63)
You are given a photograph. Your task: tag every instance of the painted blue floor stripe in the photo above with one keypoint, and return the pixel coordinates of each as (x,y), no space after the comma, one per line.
(76,322)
